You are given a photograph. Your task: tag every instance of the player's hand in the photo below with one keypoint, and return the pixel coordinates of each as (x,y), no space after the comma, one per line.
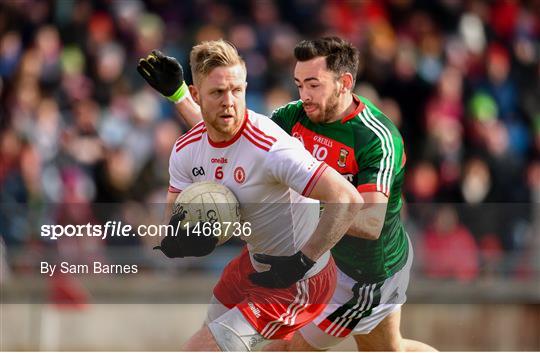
(163,73)
(182,242)
(284,270)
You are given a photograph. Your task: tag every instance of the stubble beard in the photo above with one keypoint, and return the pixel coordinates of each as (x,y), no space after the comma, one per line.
(226,131)
(329,112)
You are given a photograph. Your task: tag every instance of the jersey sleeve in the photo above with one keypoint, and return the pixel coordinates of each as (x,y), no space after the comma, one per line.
(287,115)
(379,162)
(292,165)
(179,176)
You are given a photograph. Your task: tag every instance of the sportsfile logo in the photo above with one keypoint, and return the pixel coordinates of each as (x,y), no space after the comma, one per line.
(255,310)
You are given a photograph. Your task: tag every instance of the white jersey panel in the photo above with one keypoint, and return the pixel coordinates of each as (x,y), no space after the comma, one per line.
(267,170)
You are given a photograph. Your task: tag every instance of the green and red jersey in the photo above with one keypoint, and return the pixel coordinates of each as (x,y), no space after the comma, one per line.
(367,149)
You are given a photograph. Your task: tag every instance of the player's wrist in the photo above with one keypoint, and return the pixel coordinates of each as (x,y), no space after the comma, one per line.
(180,94)
(305,261)
(310,254)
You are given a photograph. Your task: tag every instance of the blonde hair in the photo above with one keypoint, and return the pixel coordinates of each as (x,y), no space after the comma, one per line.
(208,55)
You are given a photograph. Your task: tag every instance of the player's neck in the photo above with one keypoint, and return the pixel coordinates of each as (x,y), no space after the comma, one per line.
(346,106)
(219,137)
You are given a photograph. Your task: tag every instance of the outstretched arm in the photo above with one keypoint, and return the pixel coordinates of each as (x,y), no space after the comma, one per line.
(165,75)
(189,111)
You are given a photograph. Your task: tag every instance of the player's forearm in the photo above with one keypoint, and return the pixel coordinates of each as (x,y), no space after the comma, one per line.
(335,220)
(189,111)
(342,204)
(368,223)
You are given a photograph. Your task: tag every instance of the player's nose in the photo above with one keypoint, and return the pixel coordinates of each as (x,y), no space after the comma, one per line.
(228,99)
(304,96)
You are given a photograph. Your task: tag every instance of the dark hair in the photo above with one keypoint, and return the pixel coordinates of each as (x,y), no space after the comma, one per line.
(341,56)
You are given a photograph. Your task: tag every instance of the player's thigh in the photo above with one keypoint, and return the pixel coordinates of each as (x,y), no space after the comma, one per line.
(312,338)
(386,336)
(202,340)
(215,310)
(299,344)
(296,344)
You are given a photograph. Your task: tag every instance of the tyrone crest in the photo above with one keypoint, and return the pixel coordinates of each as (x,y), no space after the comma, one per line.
(239,175)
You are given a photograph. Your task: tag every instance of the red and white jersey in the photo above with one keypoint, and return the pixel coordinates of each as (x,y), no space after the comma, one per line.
(271,175)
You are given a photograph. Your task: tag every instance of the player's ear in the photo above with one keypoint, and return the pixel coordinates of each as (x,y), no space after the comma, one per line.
(194,93)
(347,82)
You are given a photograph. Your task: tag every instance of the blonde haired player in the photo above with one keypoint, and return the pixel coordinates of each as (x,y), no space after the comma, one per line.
(285,276)
(355,138)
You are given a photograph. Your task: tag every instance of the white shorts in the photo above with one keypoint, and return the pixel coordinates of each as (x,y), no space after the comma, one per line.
(237,334)
(357,308)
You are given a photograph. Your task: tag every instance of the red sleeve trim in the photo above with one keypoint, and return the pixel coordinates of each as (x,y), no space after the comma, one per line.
(259,137)
(254,142)
(256,129)
(174,190)
(194,131)
(185,143)
(369,188)
(314,179)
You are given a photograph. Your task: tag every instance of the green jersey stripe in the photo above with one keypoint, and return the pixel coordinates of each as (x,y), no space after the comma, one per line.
(392,150)
(381,185)
(362,117)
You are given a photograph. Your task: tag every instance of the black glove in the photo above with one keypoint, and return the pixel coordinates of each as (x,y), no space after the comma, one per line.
(284,270)
(164,73)
(182,242)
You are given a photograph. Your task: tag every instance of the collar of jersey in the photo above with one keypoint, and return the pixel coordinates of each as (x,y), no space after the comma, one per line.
(357,110)
(235,137)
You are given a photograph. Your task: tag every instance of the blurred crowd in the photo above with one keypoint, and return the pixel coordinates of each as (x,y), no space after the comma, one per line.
(461,79)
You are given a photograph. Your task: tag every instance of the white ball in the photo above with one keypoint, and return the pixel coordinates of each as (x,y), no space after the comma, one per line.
(208,201)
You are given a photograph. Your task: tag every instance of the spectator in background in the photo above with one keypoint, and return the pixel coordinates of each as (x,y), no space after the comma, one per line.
(444,126)
(449,250)
(500,84)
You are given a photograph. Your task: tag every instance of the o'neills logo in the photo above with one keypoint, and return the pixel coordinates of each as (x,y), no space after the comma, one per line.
(255,310)
(221,160)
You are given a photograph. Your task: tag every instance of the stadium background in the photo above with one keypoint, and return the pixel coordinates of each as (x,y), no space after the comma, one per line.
(83,138)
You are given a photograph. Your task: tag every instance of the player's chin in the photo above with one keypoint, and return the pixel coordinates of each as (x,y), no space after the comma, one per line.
(314,116)
(226,128)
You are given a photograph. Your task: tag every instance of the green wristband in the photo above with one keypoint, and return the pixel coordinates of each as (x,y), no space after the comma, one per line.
(179,94)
